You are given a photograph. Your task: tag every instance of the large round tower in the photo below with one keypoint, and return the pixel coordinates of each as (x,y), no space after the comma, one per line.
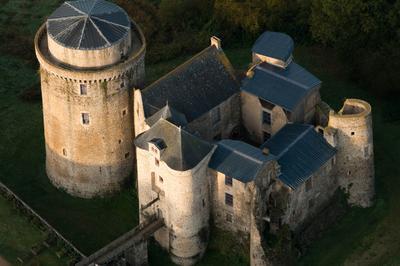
(355,155)
(91,56)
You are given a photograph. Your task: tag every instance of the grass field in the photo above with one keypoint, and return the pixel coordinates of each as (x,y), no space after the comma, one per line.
(17,236)
(363,237)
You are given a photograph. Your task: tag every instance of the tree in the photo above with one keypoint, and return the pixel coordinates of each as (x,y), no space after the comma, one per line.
(348,24)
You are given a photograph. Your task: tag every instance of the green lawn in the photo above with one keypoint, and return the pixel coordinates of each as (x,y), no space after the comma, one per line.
(18,235)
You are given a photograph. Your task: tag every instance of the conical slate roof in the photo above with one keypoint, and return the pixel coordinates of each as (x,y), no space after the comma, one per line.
(88,24)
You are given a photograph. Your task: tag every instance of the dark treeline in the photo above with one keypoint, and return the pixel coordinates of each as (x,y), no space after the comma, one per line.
(366,33)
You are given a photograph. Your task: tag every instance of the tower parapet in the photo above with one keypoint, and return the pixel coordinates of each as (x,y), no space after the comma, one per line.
(355,155)
(91,55)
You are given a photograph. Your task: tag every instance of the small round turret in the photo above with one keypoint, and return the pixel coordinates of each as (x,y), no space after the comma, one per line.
(355,155)
(89,33)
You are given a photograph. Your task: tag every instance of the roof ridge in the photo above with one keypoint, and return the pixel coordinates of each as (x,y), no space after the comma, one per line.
(227,63)
(67,29)
(83,30)
(99,31)
(282,77)
(241,153)
(294,141)
(94,3)
(109,22)
(76,9)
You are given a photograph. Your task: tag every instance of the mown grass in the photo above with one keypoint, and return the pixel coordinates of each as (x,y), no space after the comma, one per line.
(18,235)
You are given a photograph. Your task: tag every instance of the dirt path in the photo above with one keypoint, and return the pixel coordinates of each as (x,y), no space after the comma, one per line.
(3,262)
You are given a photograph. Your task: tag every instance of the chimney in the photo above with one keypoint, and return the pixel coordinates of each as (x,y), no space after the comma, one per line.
(216,42)
(265,151)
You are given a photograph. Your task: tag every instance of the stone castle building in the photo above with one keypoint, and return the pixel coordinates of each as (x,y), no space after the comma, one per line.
(91,55)
(245,154)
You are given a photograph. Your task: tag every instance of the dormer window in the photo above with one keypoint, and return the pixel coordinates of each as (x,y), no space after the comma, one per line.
(266,117)
(156,145)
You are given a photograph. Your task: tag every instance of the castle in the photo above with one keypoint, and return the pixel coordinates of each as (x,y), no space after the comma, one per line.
(247,154)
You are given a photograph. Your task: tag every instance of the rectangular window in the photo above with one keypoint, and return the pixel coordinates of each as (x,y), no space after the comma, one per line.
(309,184)
(228,181)
(160,179)
(228,199)
(83,89)
(127,155)
(266,116)
(85,118)
(215,116)
(156,161)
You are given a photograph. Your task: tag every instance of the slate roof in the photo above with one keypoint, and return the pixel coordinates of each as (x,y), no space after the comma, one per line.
(300,152)
(238,160)
(283,87)
(88,24)
(274,44)
(182,151)
(168,113)
(195,87)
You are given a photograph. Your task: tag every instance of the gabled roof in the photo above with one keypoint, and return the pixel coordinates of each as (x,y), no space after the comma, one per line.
(274,44)
(168,113)
(182,151)
(195,87)
(238,160)
(282,87)
(300,152)
(88,24)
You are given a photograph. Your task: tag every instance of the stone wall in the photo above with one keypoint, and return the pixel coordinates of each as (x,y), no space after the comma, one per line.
(91,58)
(306,109)
(351,128)
(305,202)
(95,158)
(230,118)
(233,218)
(258,58)
(243,194)
(35,218)
(252,114)
(182,199)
